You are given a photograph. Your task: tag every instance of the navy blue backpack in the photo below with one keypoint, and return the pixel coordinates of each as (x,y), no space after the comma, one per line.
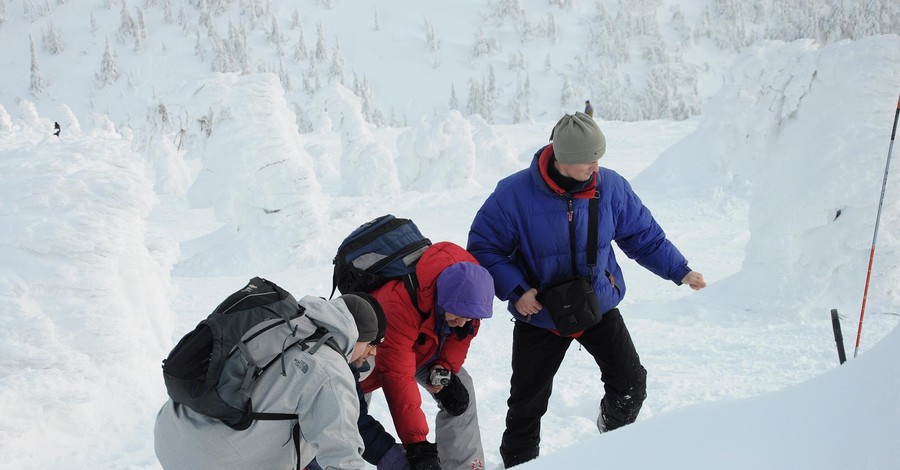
(380,250)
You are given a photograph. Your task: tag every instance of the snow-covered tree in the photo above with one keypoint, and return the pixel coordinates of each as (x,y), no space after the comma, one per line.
(377,25)
(432,43)
(199,48)
(491,86)
(321,49)
(550,28)
(485,44)
(93,22)
(183,19)
(127,27)
(284,76)
(454,101)
(567,94)
(37,80)
(223,60)
(336,72)
(474,103)
(205,18)
(517,60)
(295,20)
(109,70)
(301,54)
(52,42)
(237,48)
(275,36)
(140,33)
(167,11)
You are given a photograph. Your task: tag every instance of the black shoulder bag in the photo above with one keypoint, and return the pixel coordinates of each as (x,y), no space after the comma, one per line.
(572,302)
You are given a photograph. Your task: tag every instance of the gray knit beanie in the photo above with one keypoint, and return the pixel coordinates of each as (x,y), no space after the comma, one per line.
(577,139)
(363,315)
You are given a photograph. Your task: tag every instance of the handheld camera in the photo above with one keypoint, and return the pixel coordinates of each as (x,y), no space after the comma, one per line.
(440,377)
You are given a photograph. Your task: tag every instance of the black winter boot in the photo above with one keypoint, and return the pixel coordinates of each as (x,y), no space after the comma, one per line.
(513,457)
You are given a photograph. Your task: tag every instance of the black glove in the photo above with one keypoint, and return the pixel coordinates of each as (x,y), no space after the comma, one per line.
(423,456)
(454,397)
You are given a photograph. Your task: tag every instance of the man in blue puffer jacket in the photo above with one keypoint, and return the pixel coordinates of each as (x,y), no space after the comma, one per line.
(522,236)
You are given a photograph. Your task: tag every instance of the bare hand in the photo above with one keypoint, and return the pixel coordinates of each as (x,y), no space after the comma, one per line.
(528,304)
(695,280)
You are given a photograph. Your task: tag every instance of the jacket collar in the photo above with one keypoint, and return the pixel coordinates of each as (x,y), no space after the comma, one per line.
(545,159)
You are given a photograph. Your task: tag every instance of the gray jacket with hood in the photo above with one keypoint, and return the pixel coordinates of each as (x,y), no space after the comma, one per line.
(319,388)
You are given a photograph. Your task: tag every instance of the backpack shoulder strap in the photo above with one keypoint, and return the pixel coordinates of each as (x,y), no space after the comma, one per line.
(412,289)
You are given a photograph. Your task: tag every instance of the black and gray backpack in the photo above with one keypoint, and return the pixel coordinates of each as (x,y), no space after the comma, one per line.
(213,368)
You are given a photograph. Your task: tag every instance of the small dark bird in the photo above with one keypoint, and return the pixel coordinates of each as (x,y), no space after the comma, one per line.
(57,129)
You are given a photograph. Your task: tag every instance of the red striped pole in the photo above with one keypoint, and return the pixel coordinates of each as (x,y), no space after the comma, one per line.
(887,167)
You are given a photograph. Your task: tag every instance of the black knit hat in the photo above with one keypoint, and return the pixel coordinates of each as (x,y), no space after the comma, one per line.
(363,315)
(379,313)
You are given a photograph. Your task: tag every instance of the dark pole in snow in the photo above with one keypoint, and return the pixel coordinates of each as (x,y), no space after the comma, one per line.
(887,167)
(838,336)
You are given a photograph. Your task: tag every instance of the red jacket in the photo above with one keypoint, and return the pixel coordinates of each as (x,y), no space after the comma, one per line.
(410,342)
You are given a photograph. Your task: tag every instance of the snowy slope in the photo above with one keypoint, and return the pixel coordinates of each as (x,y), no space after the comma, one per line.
(171,187)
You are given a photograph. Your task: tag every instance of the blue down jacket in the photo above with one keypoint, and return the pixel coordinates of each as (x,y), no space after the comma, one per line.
(521,235)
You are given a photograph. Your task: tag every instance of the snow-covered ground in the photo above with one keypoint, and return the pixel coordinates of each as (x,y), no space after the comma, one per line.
(115,244)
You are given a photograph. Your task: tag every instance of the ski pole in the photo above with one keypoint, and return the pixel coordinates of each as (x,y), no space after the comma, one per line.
(887,167)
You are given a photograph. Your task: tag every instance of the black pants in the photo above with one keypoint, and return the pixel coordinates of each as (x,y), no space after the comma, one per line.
(536,357)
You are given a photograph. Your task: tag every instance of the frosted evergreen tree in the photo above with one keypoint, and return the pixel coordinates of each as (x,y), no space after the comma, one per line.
(311,80)
(28,9)
(205,19)
(222,60)
(516,108)
(337,63)
(141,28)
(109,70)
(127,26)
(491,86)
(321,51)
(523,99)
(301,54)
(284,76)
(548,63)
(485,44)
(52,42)
(93,23)
(377,26)
(140,35)
(238,51)
(37,80)
(167,11)
(199,48)
(183,19)
(487,107)
(678,23)
(550,28)
(567,94)
(295,20)
(431,41)
(516,60)
(2,12)
(275,36)
(454,101)
(476,100)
